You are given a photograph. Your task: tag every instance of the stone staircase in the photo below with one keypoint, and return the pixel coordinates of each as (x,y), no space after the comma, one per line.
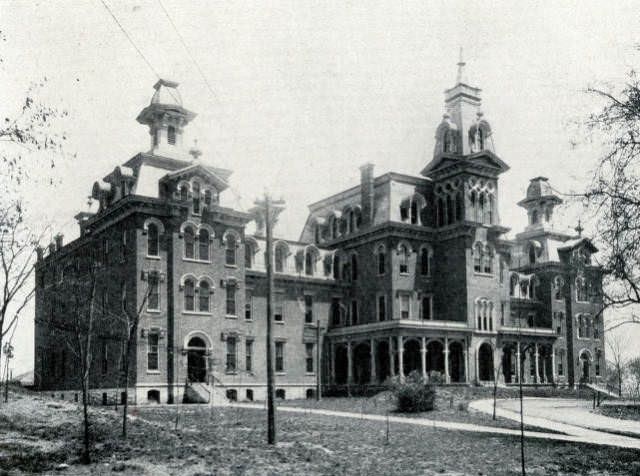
(600,389)
(201,392)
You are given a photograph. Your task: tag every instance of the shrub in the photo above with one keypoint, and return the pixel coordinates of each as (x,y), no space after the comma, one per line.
(414,394)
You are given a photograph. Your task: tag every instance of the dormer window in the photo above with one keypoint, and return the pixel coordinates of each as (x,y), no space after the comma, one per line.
(184,193)
(534,217)
(207,198)
(171,135)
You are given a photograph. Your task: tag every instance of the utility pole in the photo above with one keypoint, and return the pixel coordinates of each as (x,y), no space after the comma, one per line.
(521,399)
(266,212)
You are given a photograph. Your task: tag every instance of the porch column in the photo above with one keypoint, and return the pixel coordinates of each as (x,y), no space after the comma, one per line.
(423,355)
(537,357)
(465,358)
(447,378)
(401,358)
(372,353)
(392,359)
(332,369)
(349,364)
(518,365)
(553,365)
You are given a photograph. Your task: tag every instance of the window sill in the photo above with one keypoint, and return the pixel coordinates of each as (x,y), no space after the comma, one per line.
(310,374)
(248,320)
(197,313)
(484,275)
(156,258)
(279,322)
(404,273)
(194,260)
(153,372)
(281,372)
(232,266)
(230,316)
(231,372)
(154,311)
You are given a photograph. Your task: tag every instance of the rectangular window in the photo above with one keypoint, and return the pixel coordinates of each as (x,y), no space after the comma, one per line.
(502,314)
(152,351)
(426,307)
(278,307)
(248,355)
(561,362)
(382,308)
(405,305)
(248,305)
(308,348)
(279,356)
(231,300)
(153,300)
(308,309)
(335,311)
(231,354)
(354,312)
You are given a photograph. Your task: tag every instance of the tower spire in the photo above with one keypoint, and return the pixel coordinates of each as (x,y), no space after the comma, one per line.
(461,76)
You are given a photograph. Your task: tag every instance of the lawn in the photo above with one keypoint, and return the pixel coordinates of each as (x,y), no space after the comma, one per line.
(624,412)
(37,434)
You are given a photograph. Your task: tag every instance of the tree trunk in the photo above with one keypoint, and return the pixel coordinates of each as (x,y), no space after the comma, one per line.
(86,455)
(126,391)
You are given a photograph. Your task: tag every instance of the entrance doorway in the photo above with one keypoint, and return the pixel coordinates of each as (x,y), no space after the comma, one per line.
(196,360)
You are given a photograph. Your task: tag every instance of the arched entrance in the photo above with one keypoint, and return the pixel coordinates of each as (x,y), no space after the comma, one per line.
(411,358)
(435,357)
(340,365)
(485,363)
(383,366)
(456,362)
(196,360)
(508,364)
(362,364)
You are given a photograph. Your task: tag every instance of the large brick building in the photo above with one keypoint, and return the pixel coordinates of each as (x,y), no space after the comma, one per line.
(401,273)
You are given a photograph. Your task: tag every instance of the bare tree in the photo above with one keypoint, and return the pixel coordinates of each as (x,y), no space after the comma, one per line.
(618,364)
(130,320)
(614,196)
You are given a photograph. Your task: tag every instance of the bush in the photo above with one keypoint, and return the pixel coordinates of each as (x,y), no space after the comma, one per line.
(414,394)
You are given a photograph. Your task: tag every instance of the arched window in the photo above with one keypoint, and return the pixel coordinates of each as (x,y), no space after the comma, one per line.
(403,257)
(449,142)
(280,258)
(316,233)
(489,209)
(352,221)
(547,214)
(171,135)
(336,267)
(441,212)
(425,261)
(487,266)
(479,139)
(381,257)
(477,258)
(532,254)
(207,198)
(459,206)
(189,243)
(153,248)
(334,227)
(450,211)
(189,295)
(203,245)
(309,262)
(480,211)
(581,289)
(558,284)
(196,198)
(534,217)
(230,250)
(414,212)
(204,293)
(472,201)
(184,193)
(354,267)
(513,285)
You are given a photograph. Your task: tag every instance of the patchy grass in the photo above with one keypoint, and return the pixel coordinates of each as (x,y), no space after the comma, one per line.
(623,412)
(42,434)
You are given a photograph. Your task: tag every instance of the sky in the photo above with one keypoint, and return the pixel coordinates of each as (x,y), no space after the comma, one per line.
(294,96)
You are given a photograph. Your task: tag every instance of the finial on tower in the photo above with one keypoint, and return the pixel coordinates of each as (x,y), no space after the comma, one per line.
(460,78)
(579,228)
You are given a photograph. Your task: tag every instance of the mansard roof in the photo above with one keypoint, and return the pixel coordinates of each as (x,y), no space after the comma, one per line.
(217,176)
(575,243)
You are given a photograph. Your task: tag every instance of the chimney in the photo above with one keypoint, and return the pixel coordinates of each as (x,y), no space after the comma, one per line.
(58,239)
(366,193)
(52,249)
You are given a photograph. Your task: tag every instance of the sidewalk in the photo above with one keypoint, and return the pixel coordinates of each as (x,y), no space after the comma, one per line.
(579,435)
(567,416)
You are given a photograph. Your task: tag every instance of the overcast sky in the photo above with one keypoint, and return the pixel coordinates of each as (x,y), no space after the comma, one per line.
(305,92)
